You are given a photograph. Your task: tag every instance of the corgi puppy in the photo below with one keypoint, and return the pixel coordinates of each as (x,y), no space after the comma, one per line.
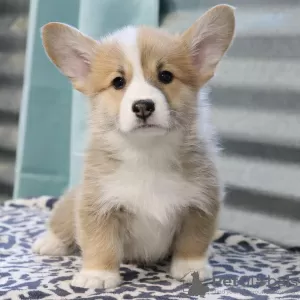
(150,187)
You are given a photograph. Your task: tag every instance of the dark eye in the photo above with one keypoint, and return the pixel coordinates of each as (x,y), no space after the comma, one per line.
(119,83)
(165,77)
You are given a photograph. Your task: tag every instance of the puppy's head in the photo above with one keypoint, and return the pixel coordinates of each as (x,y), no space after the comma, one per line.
(142,81)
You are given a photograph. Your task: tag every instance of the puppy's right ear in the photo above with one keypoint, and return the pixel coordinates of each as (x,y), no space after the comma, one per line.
(70,50)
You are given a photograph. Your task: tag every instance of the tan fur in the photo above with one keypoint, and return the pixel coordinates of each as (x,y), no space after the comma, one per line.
(105,234)
(51,35)
(109,62)
(99,239)
(62,222)
(195,235)
(218,18)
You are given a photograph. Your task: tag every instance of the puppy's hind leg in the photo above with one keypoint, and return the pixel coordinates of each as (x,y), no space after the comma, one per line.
(60,236)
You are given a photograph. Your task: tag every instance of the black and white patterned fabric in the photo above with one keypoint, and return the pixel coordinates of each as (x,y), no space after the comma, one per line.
(244,267)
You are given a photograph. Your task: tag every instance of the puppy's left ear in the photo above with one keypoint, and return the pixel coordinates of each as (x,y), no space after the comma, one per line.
(209,38)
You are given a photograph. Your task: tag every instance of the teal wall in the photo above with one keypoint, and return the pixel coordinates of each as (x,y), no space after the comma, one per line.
(52,128)
(44,129)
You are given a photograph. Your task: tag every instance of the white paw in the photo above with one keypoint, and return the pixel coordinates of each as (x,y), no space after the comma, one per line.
(50,245)
(96,279)
(184,269)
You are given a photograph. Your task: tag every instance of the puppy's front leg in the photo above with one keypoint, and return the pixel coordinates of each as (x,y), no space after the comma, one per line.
(99,238)
(191,246)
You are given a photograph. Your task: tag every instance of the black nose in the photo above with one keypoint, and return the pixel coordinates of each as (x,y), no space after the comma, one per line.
(143,108)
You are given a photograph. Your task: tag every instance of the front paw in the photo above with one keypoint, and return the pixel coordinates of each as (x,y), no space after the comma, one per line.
(186,269)
(96,279)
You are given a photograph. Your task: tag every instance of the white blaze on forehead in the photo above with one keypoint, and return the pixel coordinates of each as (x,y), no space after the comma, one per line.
(127,38)
(138,88)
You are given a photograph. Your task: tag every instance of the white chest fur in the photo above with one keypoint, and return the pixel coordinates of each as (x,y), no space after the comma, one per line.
(147,185)
(148,240)
(154,197)
(147,190)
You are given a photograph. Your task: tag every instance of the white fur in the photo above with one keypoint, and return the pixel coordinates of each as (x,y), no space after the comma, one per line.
(182,269)
(151,240)
(50,244)
(139,88)
(147,185)
(96,279)
(149,188)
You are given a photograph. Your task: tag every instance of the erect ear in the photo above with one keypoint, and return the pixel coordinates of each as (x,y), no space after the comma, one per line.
(209,38)
(70,50)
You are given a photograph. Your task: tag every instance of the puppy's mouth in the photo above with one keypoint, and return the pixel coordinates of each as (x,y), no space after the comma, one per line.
(149,126)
